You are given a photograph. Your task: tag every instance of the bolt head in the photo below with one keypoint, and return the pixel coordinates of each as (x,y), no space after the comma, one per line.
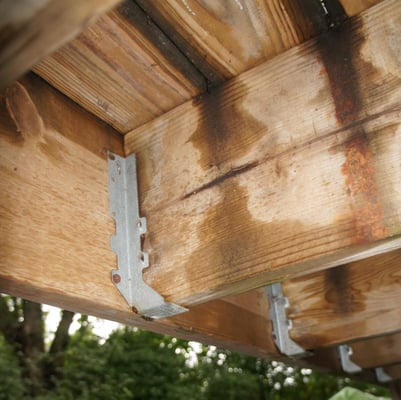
(116,278)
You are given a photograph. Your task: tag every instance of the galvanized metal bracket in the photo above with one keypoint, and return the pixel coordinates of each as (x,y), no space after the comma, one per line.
(381,376)
(281,324)
(126,243)
(347,364)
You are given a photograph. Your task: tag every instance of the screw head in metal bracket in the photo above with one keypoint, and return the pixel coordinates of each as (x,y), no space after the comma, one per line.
(281,324)
(347,364)
(126,243)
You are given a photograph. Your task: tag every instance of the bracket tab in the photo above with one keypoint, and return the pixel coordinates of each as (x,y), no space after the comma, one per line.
(347,364)
(126,243)
(381,376)
(281,324)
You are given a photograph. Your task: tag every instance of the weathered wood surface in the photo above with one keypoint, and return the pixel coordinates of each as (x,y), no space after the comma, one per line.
(377,352)
(338,304)
(55,228)
(55,249)
(354,7)
(123,69)
(289,168)
(127,71)
(226,38)
(394,371)
(32,29)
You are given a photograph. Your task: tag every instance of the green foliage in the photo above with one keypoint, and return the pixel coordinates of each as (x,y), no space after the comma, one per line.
(133,364)
(11,383)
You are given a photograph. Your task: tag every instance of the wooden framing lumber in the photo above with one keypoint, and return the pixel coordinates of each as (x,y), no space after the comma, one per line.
(32,29)
(55,227)
(290,168)
(354,7)
(55,232)
(377,352)
(123,69)
(345,303)
(224,40)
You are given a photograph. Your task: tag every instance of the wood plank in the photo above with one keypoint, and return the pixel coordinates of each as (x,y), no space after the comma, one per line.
(354,7)
(50,173)
(32,29)
(377,352)
(126,70)
(346,302)
(123,69)
(290,168)
(394,371)
(225,39)
(55,228)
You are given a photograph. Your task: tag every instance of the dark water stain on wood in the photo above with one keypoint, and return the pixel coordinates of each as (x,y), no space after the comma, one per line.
(145,23)
(231,241)
(226,131)
(339,293)
(195,55)
(338,50)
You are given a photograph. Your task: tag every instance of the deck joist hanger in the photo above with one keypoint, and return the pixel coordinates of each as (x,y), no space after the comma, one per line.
(126,243)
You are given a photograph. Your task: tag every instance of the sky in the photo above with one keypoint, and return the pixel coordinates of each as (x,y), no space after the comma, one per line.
(101,327)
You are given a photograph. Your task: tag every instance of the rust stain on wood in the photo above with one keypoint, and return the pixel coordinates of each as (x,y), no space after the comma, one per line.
(360,180)
(340,51)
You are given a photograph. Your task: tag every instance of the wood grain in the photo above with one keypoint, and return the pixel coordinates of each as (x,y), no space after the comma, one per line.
(354,7)
(338,305)
(290,168)
(55,227)
(377,352)
(32,29)
(136,63)
(123,69)
(225,39)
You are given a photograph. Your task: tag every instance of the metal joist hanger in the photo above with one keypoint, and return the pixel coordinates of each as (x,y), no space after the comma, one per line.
(126,243)
(281,324)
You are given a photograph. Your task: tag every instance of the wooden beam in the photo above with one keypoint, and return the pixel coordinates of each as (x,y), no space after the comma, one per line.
(346,303)
(54,235)
(377,352)
(224,40)
(290,168)
(354,7)
(31,29)
(123,69)
(55,227)
(394,371)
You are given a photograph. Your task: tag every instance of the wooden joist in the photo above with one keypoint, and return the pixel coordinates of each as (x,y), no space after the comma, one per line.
(123,69)
(344,303)
(377,352)
(224,40)
(137,62)
(32,29)
(290,168)
(55,226)
(54,221)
